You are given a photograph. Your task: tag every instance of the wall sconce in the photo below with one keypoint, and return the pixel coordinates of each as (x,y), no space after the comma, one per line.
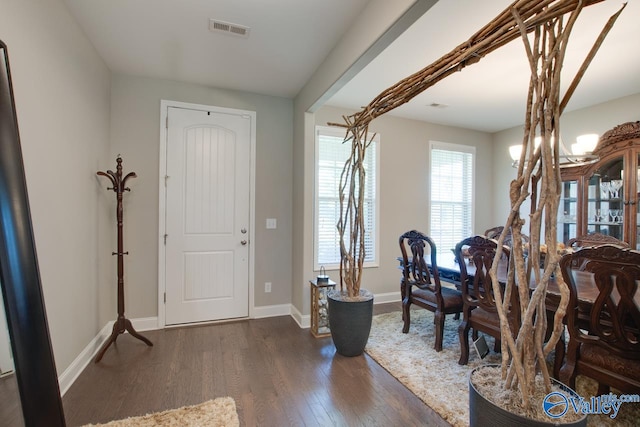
(580,151)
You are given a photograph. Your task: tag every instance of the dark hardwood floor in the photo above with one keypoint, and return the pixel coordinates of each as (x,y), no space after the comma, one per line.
(10,411)
(277,373)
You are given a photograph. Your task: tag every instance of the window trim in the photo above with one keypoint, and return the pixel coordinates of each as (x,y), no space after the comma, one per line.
(340,132)
(462,148)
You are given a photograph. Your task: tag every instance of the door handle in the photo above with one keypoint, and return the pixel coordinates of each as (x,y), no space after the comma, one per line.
(243,242)
(243,231)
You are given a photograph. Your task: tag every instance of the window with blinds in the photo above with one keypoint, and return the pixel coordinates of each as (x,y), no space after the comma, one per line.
(331,155)
(452,171)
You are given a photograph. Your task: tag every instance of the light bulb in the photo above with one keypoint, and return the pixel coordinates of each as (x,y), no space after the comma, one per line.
(586,143)
(515,151)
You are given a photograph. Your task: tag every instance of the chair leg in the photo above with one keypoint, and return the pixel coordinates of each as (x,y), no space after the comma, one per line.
(559,357)
(439,322)
(406,316)
(603,389)
(457,316)
(474,334)
(463,333)
(402,296)
(568,371)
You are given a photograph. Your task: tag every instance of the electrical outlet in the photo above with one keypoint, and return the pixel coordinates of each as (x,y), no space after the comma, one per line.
(267,287)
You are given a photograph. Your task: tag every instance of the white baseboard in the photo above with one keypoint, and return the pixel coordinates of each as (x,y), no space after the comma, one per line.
(386,297)
(145,324)
(271,311)
(303,320)
(68,377)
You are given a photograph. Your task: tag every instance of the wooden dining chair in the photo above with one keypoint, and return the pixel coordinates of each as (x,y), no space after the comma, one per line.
(495,232)
(421,287)
(594,239)
(606,347)
(479,309)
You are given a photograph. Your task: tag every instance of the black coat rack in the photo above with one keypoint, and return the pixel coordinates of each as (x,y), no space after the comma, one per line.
(121,324)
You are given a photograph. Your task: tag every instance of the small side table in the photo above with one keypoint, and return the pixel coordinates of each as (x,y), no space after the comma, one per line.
(320,307)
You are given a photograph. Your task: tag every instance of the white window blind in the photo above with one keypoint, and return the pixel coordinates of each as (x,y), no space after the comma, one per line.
(451,194)
(331,155)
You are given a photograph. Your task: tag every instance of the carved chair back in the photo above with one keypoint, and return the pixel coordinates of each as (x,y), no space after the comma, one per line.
(415,268)
(614,321)
(607,346)
(481,252)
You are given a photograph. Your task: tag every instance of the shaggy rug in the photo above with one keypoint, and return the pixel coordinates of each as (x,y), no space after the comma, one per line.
(437,379)
(220,412)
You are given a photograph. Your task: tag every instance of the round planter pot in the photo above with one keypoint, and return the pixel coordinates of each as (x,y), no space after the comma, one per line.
(350,322)
(483,412)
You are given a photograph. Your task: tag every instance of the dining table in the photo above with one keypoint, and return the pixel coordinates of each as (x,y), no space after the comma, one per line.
(449,271)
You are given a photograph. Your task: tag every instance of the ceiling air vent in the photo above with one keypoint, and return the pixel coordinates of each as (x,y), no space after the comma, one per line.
(216,26)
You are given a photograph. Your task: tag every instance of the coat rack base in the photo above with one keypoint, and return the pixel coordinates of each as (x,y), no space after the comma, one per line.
(121,326)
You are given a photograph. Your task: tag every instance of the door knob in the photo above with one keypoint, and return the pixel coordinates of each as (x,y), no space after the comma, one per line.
(243,231)
(243,242)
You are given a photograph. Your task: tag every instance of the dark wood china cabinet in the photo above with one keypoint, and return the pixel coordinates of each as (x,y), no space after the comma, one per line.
(602,196)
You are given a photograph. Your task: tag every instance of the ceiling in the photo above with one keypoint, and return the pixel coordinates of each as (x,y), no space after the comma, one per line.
(289,39)
(170,39)
(491,95)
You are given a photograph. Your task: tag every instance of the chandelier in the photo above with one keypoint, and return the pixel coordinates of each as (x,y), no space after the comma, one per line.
(581,151)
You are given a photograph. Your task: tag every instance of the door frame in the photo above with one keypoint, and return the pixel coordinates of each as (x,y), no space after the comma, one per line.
(162,198)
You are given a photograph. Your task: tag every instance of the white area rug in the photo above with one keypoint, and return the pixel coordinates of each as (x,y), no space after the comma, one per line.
(437,379)
(220,412)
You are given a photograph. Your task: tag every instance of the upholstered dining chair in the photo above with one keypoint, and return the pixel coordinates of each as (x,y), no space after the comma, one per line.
(594,239)
(607,347)
(479,309)
(421,287)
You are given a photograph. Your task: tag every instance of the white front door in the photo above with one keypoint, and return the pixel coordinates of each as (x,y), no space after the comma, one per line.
(207,215)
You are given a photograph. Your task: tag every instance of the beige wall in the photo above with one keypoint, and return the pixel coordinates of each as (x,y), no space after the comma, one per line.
(404,185)
(135,129)
(597,119)
(61,89)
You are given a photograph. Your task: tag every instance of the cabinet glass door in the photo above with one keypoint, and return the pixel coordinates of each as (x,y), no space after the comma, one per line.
(568,211)
(605,207)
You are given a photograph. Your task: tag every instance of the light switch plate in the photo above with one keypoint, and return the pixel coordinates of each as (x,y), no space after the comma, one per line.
(271,223)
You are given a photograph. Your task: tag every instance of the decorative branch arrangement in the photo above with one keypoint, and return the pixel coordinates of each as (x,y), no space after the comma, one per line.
(523,357)
(121,324)
(543,21)
(351,221)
